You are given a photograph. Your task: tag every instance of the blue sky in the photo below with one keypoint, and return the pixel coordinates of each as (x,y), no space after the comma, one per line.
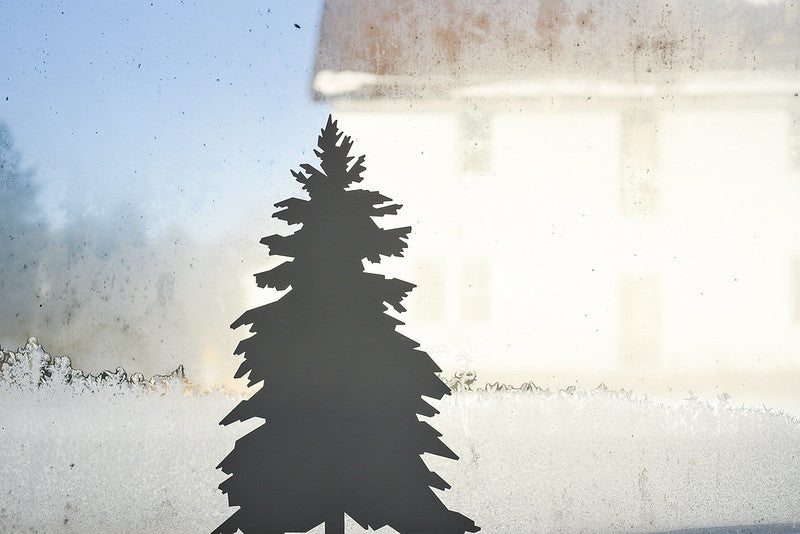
(185,111)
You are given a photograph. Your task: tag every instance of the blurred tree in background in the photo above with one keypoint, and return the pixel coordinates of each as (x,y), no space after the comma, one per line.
(100,289)
(21,238)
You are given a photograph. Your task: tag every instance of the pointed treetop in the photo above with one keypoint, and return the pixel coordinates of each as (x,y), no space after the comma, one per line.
(334,150)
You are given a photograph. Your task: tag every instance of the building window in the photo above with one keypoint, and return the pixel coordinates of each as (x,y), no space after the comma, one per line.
(639,319)
(639,188)
(795,142)
(795,289)
(475,303)
(475,139)
(430,293)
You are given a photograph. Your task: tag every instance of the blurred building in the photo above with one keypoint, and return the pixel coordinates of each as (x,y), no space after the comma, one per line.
(598,190)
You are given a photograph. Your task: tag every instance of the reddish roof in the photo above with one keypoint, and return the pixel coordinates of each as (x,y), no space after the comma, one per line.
(473,41)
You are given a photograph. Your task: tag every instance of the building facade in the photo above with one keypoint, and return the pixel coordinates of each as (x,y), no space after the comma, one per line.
(598,193)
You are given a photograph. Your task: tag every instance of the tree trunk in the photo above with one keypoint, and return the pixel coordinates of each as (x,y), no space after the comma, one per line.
(335,524)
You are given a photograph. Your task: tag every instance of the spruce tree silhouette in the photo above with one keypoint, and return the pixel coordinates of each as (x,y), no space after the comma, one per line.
(342,389)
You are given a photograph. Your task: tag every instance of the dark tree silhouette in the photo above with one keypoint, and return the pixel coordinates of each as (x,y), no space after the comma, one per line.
(342,388)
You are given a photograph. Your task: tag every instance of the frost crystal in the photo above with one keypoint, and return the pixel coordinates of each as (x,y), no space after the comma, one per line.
(32,367)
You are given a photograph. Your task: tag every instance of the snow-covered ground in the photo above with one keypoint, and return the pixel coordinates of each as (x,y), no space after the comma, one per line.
(116,455)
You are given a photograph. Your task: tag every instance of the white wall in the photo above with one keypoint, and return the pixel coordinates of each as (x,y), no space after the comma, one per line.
(699,282)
